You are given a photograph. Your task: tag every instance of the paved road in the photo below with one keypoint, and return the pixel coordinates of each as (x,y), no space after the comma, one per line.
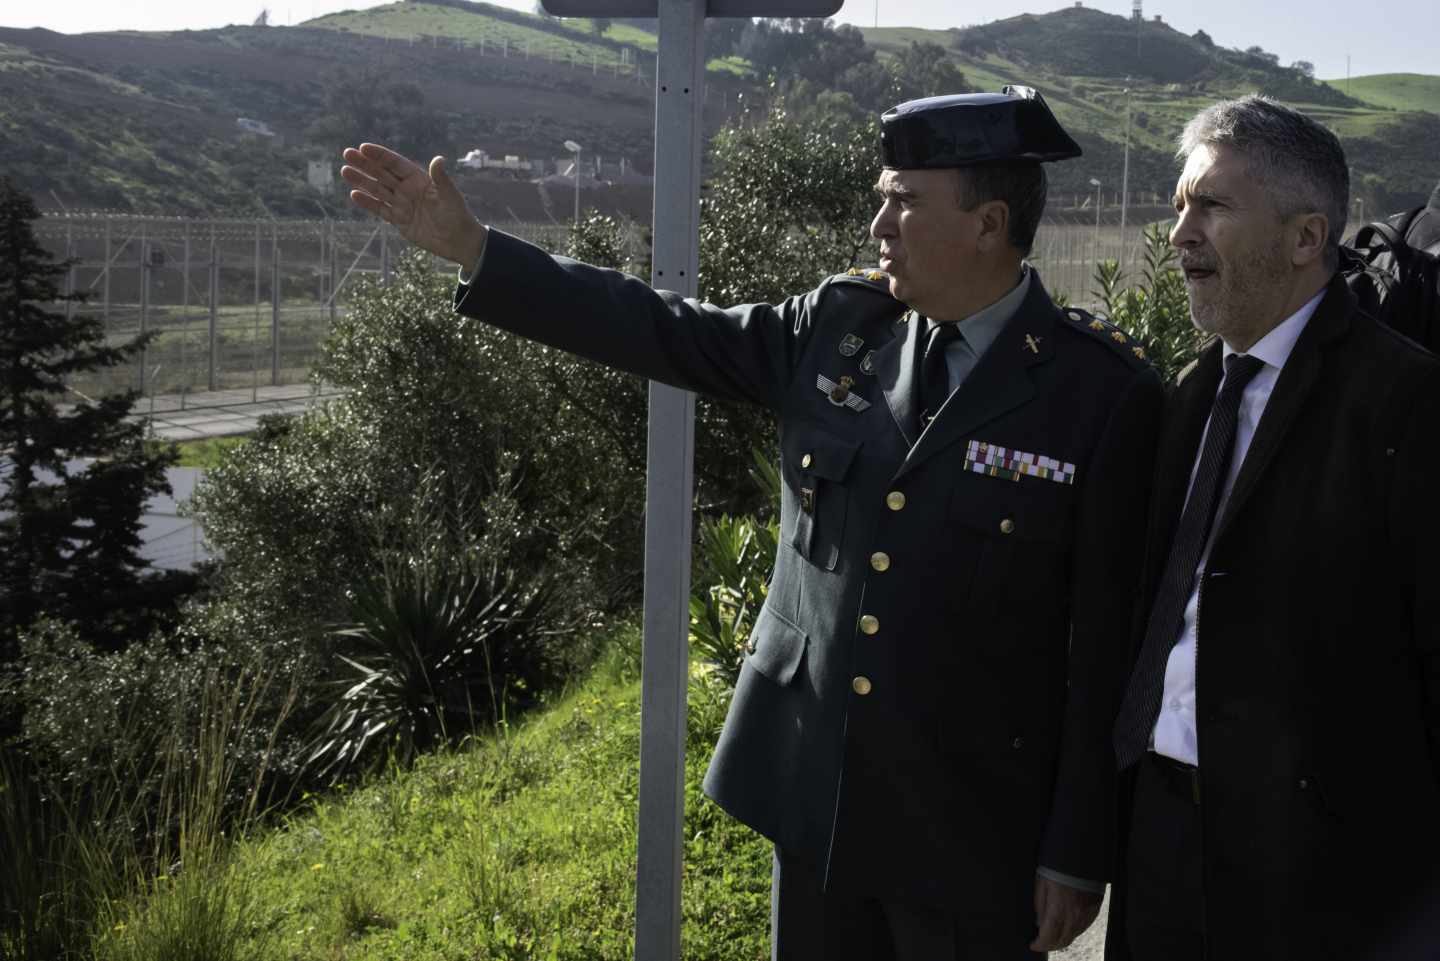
(222,413)
(1090,946)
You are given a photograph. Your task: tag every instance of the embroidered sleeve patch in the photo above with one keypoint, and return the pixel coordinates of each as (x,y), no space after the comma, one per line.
(993,461)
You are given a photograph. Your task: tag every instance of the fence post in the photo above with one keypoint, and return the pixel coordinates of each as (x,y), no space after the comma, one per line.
(214,307)
(144,298)
(255,333)
(334,271)
(185,315)
(274,305)
(69,267)
(105,309)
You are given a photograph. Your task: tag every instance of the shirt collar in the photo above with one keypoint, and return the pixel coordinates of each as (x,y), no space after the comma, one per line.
(1274,348)
(982,327)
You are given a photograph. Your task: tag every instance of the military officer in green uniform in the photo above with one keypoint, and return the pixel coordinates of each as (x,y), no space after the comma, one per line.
(922,722)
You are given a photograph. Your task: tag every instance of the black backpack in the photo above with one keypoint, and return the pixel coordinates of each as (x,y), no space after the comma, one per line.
(1393,266)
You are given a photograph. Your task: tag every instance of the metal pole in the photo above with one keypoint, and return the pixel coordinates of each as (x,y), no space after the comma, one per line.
(384,254)
(105,310)
(335,280)
(1125,181)
(185,319)
(274,305)
(679,87)
(255,332)
(144,298)
(577,188)
(214,307)
(69,268)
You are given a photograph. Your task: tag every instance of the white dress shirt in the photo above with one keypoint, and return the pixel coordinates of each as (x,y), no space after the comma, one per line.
(1175,734)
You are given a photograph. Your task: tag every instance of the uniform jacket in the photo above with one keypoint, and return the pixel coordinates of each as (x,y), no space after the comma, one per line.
(1318,659)
(925,708)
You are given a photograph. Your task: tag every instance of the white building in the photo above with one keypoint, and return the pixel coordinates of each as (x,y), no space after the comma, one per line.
(320,174)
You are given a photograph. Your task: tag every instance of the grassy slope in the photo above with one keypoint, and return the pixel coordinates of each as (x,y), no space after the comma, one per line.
(1397,91)
(1382,139)
(146,121)
(517,846)
(401,21)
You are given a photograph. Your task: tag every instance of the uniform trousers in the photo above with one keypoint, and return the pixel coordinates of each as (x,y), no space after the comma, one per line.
(1165,903)
(806,925)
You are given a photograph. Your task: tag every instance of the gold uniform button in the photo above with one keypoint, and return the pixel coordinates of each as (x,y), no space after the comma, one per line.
(1007,526)
(870,624)
(880,561)
(806,461)
(895,500)
(861,685)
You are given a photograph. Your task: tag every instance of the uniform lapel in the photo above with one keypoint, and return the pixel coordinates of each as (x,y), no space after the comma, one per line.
(1297,381)
(999,383)
(897,364)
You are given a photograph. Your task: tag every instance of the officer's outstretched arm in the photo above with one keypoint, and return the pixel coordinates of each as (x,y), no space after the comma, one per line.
(424,205)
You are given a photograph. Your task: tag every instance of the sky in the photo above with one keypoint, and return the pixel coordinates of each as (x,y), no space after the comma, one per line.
(1401,39)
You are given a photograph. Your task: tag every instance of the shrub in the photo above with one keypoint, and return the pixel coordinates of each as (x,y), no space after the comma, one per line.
(1156,311)
(98,834)
(447,634)
(731,576)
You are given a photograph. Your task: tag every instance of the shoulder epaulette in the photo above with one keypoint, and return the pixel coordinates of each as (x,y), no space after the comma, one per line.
(1102,330)
(866,276)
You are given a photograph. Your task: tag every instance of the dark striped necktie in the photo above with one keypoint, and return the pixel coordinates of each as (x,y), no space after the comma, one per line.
(1141,705)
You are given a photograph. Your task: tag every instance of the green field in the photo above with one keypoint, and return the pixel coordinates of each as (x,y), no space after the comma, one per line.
(1396,91)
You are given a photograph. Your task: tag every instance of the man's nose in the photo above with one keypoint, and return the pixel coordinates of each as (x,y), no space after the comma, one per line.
(883,225)
(1184,234)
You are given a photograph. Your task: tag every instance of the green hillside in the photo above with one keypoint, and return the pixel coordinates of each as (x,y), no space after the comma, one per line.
(1092,66)
(147,121)
(1396,91)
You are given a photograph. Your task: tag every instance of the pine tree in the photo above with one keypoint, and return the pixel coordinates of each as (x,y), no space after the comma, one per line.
(69,536)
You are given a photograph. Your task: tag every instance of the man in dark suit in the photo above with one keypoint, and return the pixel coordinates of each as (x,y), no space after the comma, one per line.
(921,724)
(1280,732)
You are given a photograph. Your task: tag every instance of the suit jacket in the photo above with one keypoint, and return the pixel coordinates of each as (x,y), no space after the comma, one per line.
(924,712)
(1318,659)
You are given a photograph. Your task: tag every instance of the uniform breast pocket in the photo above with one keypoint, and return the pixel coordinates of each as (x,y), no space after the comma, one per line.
(815,464)
(1021,534)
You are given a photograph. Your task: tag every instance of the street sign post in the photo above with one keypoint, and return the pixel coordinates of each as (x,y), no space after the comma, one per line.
(669,478)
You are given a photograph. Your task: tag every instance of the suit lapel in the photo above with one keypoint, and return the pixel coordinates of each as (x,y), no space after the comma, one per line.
(1000,381)
(1297,380)
(1190,409)
(897,364)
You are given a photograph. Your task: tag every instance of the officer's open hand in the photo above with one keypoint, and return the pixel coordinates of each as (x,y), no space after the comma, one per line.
(1062,914)
(425,205)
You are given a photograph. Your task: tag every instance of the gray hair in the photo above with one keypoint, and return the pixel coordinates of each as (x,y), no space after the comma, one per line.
(1298,160)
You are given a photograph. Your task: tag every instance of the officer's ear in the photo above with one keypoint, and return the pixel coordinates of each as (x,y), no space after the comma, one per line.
(994,226)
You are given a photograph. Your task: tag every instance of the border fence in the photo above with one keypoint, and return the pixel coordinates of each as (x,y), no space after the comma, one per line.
(233,304)
(238,305)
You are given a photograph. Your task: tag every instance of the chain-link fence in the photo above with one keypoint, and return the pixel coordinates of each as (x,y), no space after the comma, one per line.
(235,305)
(239,305)
(1070,243)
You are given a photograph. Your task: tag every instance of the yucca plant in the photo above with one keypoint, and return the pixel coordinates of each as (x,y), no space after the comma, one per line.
(734,556)
(428,638)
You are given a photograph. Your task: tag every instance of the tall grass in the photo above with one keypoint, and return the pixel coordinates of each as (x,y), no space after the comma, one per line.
(113,870)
